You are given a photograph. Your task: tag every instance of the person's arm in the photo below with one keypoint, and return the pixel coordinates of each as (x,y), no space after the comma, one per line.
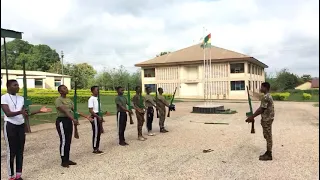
(43,109)
(118,103)
(164,101)
(62,108)
(6,109)
(135,103)
(90,106)
(261,109)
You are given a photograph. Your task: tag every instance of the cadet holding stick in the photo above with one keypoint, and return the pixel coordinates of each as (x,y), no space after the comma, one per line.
(64,124)
(266,110)
(138,105)
(150,103)
(163,103)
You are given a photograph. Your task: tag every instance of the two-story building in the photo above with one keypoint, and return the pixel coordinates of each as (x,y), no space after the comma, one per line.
(230,73)
(36,79)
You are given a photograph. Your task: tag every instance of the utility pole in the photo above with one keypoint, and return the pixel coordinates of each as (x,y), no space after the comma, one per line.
(62,67)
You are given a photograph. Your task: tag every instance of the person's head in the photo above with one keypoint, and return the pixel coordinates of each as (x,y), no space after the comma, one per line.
(265,87)
(148,90)
(138,89)
(63,90)
(160,90)
(119,90)
(95,90)
(12,86)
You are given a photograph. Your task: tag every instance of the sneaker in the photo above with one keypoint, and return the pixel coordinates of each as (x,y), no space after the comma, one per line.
(97,151)
(122,143)
(165,130)
(267,156)
(144,138)
(151,134)
(72,163)
(141,138)
(64,164)
(126,144)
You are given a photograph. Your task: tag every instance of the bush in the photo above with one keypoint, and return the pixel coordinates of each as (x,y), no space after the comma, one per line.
(306,96)
(309,91)
(280,96)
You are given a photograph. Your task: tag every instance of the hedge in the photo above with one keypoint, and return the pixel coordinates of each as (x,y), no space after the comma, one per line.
(306,96)
(46,96)
(280,96)
(309,91)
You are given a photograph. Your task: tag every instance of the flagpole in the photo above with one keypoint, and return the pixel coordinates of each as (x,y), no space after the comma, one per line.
(204,67)
(210,70)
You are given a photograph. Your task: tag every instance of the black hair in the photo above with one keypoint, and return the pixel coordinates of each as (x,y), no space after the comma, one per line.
(93,87)
(137,87)
(266,85)
(59,87)
(159,88)
(118,87)
(11,81)
(147,88)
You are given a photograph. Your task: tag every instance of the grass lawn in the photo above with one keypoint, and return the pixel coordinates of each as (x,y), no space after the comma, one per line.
(107,104)
(298,98)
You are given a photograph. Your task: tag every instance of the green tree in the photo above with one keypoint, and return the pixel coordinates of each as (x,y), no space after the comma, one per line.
(163,53)
(83,73)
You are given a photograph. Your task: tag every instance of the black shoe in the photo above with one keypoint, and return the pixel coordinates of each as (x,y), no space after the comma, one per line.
(165,130)
(267,156)
(122,143)
(97,151)
(72,163)
(126,143)
(162,130)
(64,164)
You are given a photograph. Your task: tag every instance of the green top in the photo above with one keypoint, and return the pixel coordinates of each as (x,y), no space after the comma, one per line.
(122,101)
(67,102)
(138,101)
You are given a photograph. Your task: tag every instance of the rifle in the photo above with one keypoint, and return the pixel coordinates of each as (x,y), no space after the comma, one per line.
(100,113)
(251,111)
(156,101)
(172,106)
(27,102)
(129,105)
(75,111)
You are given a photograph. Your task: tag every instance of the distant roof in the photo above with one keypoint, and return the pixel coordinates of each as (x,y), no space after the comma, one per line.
(315,83)
(194,54)
(32,73)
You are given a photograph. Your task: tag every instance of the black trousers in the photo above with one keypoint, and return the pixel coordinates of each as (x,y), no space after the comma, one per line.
(150,114)
(15,138)
(96,132)
(122,124)
(64,127)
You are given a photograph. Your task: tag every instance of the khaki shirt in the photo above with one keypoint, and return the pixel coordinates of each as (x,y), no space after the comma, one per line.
(121,101)
(66,102)
(268,105)
(150,100)
(137,101)
(162,102)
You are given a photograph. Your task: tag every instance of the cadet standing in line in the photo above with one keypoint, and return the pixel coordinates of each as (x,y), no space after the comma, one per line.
(266,110)
(163,103)
(150,103)
(14,127)
(121,103)
(64,124)
(139,106)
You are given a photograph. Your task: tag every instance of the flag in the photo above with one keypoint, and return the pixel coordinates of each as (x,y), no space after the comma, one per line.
(206,41)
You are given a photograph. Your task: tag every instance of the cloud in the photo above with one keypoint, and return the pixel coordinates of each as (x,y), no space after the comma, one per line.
(105,33)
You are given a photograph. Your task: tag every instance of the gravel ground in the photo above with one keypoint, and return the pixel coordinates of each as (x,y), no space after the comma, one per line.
(178,155)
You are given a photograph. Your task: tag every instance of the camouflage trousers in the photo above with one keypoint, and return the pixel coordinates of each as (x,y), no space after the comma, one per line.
(162,118)
(267,132)
(140,119)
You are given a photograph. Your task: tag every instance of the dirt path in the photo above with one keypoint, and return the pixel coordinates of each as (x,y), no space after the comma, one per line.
(178,154)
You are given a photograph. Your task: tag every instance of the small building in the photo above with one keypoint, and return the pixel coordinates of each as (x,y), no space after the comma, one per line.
(231,73)
(313,84)
(36,79)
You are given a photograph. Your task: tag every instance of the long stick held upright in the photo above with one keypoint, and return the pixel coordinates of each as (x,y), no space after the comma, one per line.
(75,111)
(27,102)
(129,105)
(157,100)
(100,112)
(251,111)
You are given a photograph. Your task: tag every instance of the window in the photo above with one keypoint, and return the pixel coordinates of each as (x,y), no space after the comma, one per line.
(57,83)
(249,85)
(237,85)
(149,72)
(152,86)
(237,68)
(249,68)
(38,83)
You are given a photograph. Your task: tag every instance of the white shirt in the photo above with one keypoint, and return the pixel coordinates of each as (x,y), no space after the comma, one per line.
(93,103)
(15,103)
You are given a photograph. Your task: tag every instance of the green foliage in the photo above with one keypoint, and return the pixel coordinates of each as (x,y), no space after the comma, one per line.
(306,96)
(280,96)
(309,91)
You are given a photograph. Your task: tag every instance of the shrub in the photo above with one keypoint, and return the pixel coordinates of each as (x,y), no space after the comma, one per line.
(280,96)
(306,96)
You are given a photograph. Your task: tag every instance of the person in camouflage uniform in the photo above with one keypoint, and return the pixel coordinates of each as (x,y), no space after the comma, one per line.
(150,103)
(162,103)
(139,105)
(266,110)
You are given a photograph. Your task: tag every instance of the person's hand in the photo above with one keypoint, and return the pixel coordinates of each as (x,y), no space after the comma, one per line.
(107,113)
(130,111)
(89,118)
(75,122)
(43,109)
(24,112)
(100,119)
(250,119)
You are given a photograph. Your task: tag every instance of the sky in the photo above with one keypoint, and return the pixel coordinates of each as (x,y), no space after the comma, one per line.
(109,33)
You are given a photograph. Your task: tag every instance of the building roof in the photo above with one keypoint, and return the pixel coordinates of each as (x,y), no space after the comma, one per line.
(31,73)
(315,83)
(194,55)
